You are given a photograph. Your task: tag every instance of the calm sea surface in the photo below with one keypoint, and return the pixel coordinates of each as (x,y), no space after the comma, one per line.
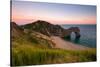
(88,35)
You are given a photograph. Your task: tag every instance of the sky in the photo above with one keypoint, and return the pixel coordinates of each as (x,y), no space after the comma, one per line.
(24,12)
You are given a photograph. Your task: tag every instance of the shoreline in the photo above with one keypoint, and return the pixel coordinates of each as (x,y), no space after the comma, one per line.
(60,43)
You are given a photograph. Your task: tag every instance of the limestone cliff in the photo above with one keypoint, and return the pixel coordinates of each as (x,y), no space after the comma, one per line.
(48,29)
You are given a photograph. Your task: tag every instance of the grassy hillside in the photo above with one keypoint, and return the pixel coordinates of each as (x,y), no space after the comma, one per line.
(30,55)
(31,48)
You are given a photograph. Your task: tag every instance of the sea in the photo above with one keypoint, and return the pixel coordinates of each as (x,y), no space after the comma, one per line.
(88,35)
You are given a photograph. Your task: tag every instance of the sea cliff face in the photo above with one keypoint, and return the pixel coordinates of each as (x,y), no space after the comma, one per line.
(51,30)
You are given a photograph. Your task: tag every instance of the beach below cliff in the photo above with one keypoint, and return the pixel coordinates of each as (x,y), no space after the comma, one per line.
(60,43)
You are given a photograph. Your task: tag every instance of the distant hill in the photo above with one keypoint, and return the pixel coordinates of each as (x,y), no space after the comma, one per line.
(20,36)
(44,27)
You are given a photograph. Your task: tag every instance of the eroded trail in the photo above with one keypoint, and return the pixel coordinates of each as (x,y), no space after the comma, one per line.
(60,43)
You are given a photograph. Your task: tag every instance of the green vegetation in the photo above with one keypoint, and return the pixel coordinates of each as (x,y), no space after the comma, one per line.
(32,48)
(30,40)
(30,55)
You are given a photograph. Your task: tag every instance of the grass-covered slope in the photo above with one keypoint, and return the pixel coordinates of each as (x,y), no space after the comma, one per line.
(31,48)
(30,55)
(23,37)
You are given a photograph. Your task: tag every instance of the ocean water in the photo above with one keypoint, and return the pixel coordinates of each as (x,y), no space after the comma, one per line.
(88,35)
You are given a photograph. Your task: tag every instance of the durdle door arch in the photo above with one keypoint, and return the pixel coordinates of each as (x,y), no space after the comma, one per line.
(75,30)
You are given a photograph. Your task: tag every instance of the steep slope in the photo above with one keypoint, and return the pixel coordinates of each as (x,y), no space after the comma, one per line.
(21,37)
(45,28)
(16,31)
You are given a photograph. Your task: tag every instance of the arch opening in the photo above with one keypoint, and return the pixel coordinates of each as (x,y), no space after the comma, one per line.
(73,34)
(75,37)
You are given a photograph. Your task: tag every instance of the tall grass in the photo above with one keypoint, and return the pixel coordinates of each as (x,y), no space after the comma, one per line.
(29,55)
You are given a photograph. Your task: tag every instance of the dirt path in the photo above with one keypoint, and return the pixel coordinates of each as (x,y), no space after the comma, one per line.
(60,43)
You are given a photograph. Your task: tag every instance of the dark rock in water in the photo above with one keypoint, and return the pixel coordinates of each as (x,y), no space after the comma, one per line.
(48,29)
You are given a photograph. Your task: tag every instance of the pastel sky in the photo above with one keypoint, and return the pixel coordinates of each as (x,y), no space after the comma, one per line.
(24,12)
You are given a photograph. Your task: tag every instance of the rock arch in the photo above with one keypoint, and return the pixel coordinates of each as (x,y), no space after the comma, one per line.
(69,31)
(76,30)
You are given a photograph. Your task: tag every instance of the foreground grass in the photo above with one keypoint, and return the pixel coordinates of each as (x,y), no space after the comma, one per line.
(29,55)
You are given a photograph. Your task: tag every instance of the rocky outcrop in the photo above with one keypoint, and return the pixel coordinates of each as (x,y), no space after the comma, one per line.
(44,28)
(52,30)
(27,36)
(16,31)
(76,30)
